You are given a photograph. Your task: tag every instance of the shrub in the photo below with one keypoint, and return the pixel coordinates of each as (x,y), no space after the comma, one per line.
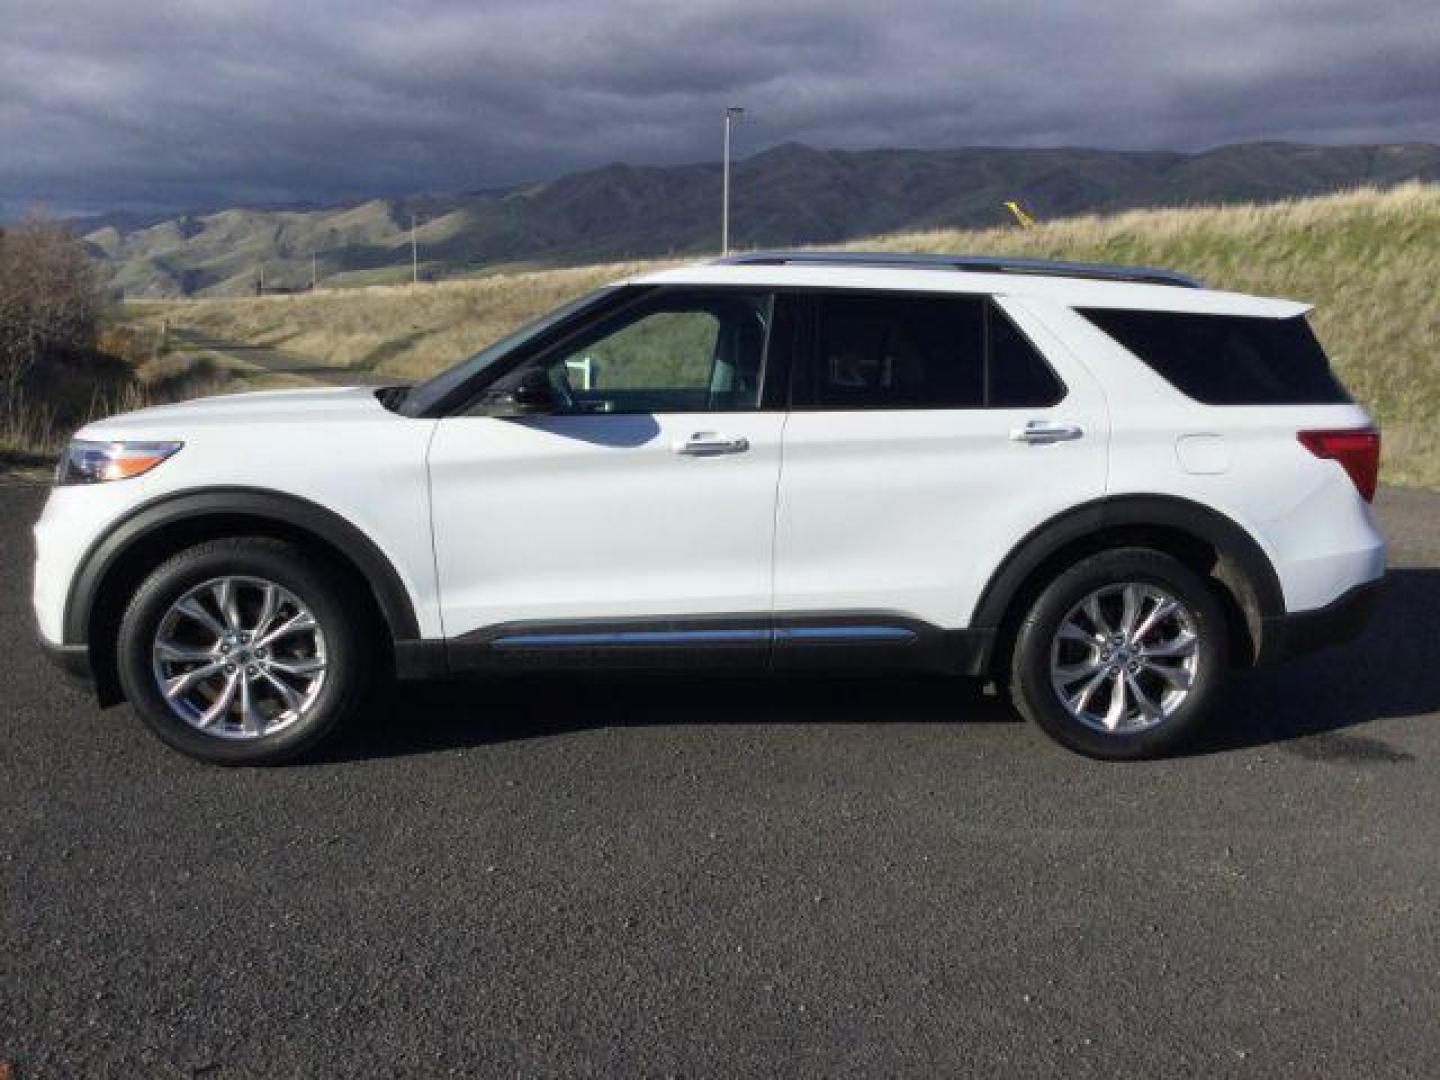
(50,300)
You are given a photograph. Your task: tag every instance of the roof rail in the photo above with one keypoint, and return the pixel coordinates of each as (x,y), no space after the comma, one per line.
(979,264)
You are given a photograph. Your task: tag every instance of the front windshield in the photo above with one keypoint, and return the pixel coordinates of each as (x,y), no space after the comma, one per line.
(424,396)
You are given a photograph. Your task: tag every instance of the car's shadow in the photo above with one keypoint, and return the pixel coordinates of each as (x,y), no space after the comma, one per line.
(1393,670)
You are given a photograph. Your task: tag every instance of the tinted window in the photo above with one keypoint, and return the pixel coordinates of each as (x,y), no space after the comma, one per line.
(922,352)
(900,352)
(677,352)
(1228,359)
(1019,377)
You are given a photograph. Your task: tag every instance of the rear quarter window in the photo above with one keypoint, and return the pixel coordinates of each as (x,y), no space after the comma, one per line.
(1227,359)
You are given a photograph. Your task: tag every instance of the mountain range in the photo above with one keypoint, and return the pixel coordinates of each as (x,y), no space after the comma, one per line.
(788,195)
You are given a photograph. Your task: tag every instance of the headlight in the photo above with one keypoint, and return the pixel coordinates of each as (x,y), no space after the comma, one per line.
(96,462)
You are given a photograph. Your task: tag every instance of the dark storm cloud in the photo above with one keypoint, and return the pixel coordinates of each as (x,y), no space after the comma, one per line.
(178,104)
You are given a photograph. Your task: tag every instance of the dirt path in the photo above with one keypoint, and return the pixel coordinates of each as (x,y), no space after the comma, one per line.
(263,358)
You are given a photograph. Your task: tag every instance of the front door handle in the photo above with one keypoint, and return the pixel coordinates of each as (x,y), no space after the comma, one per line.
(1046,431)
(709,443)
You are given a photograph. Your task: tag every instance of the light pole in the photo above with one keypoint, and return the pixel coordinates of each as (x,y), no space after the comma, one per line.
(733,113)
(414,253)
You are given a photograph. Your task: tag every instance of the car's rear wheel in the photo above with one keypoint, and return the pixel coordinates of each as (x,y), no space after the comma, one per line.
(1122,655)
(242,651)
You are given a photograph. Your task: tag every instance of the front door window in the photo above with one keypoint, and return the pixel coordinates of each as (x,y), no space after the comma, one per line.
(678,353)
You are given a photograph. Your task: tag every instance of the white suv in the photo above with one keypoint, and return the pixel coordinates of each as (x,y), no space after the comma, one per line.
(1101,486)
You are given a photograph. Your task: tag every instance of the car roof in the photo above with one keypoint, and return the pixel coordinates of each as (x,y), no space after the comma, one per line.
(1083,285)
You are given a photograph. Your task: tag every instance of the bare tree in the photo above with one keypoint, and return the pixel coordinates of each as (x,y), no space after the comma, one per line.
(50,299)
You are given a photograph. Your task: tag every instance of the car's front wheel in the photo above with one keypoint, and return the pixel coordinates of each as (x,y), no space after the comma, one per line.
(1121,656)
(242,651)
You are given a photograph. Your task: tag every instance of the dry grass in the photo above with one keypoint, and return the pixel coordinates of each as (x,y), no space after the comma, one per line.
(1368,260)
(37,421)
(409,331)
(26,429)
(34,430)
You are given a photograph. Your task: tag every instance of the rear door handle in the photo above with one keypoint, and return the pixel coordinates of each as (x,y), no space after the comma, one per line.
(1046,431)
(709,444)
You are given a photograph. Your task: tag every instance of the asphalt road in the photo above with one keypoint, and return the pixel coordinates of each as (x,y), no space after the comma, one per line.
(729,878)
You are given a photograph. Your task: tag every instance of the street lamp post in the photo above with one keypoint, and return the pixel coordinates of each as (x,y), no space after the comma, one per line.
(733,113)
(414,253)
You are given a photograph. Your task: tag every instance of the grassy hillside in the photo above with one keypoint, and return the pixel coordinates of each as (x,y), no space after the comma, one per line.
(1368,260)
(786,195)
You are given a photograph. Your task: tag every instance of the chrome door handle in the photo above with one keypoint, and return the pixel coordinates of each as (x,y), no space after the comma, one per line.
(1046,431)
(708,443)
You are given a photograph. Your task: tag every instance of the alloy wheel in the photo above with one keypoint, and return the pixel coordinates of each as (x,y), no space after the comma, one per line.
(239,657)
(1125,658)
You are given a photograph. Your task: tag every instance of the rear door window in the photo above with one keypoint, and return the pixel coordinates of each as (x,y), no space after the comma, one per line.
(1227,359)
(920,352)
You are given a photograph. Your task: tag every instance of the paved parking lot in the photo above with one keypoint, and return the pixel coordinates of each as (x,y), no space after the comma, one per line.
(735,877)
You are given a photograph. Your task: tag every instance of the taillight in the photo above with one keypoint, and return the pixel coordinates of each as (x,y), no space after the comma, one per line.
(1357,450)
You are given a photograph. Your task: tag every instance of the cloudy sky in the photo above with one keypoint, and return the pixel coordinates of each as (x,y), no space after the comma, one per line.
(202,103)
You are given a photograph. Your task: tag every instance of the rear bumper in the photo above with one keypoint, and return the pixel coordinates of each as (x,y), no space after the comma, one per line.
(1342,620)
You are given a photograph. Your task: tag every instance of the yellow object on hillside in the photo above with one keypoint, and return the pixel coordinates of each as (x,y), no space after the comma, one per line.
(1025,220)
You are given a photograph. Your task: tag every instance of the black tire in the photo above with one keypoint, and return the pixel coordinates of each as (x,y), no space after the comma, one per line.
(347,635)
(1037,699)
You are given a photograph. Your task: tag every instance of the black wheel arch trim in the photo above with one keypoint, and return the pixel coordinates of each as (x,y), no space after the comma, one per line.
(288,510)
(1229,539)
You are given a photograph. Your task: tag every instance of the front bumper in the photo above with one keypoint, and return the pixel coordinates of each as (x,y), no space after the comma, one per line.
(1342,620)
(74,660)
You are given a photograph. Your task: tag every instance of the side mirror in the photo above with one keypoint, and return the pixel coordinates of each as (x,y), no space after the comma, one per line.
(528,395)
